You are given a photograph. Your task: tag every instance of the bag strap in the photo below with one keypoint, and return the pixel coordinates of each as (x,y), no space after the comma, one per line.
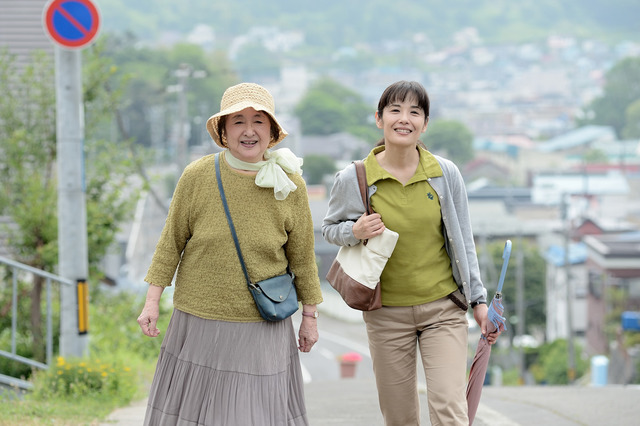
(229,221)
(361,174)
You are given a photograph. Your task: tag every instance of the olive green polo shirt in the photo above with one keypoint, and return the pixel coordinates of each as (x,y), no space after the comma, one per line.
(419,270)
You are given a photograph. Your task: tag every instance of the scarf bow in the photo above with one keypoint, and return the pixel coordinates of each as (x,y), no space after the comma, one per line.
(271,171)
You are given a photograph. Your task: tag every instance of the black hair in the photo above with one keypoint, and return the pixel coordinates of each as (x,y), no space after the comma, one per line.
(400,91)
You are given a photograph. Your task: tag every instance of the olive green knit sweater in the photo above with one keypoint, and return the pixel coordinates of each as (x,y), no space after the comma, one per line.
(210,282)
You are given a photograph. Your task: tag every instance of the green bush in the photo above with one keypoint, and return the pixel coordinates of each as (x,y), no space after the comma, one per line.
(115,332)
(10,367)
(552,365)
(85,378)
(85,391)
(511,377)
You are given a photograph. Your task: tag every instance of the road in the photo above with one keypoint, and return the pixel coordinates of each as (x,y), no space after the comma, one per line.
(354,402)
(332,400)
(335,401)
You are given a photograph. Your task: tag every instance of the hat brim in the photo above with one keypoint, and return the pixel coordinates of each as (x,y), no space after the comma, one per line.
(212,122)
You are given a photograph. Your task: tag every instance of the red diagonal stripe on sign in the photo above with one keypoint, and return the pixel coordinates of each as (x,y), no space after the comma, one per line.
(71,19)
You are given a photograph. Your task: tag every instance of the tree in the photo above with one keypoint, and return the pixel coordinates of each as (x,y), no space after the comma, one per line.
(27,132)
(316,167)
(255,61)
(452,138)
(534,277)
(631,128)
(328,107)
(321,114)
(27,170)
(622,88)
(148,106)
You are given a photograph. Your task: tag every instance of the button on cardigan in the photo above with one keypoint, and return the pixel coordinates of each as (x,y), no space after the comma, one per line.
(346,207)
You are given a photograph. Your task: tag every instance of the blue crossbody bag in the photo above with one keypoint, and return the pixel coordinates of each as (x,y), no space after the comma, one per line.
(275,297)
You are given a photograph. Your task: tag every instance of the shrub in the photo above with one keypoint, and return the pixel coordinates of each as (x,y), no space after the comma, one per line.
(85,378)
(551,366)
(118,333)
(11,367)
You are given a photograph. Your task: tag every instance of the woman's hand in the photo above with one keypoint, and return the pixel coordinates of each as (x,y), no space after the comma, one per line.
(149,318)
(480,313)
(368,226)
(151,311)
(308,334)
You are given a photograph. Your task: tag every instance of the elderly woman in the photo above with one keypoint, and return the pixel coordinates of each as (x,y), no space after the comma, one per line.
(220,362)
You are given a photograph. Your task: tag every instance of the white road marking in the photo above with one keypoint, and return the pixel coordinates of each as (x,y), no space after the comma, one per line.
(306,377)
(363,350)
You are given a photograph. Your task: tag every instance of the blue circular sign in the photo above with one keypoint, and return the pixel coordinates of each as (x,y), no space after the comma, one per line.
(71,23)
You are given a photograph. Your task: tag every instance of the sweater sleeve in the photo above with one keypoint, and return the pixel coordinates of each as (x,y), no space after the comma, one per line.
(345,208)
(175,235)
(300,249)
(461,203)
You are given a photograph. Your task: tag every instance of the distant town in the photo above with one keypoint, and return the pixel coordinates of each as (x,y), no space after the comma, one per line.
(529,180)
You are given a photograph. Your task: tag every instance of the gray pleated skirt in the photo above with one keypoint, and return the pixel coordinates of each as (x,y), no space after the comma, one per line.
(227,374)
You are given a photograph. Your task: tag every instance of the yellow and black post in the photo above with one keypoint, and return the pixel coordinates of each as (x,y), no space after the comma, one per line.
(83,306)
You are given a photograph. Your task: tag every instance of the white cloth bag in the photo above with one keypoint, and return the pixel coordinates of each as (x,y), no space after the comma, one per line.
(364,262)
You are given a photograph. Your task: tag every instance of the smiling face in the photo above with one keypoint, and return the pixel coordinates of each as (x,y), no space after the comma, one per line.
(402,122)
(248,134)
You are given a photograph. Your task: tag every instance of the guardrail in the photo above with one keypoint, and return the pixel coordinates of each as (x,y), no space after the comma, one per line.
(15,268)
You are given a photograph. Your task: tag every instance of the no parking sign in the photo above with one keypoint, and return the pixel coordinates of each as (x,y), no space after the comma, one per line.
(72,24)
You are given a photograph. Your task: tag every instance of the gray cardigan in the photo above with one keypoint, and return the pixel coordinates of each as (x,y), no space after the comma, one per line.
(346,206)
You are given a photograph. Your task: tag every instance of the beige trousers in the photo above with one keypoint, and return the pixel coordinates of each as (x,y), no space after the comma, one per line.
(440,330)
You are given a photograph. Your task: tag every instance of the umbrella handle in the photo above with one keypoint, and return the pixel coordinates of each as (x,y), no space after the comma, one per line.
(506,253)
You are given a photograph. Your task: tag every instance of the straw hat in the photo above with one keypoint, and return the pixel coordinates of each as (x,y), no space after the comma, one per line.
(241,96)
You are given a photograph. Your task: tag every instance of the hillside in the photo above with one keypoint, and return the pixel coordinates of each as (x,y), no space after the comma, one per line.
(333,23)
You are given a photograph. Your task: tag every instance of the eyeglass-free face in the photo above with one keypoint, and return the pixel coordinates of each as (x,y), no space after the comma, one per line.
(248,134)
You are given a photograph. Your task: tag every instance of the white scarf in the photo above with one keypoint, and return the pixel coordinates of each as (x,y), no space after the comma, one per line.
(271,172)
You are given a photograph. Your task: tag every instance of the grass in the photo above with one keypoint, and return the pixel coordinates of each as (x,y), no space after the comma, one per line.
(85,391)
(77,393)
(58,411)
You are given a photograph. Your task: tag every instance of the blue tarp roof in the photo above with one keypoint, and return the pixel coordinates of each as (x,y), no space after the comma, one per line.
(577,254)
(580,136)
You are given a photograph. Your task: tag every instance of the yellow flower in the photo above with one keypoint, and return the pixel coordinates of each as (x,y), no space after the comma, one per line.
(60,361)
(82,364)
(59,372)
(127,369)
(104,374)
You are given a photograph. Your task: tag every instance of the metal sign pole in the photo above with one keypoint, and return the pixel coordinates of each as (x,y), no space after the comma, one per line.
(71,25)
(72,217)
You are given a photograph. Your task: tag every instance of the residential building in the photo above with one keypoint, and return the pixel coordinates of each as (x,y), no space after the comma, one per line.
(22,29)
(613,265)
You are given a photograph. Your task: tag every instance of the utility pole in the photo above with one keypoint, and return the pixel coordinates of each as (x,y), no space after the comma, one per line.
(571,364)
(184,72)
(72,213)
(520,311)
(183,147)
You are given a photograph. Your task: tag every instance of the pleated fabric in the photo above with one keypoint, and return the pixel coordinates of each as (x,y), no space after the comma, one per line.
(219,373)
